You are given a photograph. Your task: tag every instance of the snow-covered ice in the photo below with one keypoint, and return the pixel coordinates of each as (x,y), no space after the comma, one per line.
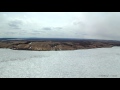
(87,63)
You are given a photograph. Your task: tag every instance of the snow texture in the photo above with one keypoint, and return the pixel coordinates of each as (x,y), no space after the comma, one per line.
(87,63)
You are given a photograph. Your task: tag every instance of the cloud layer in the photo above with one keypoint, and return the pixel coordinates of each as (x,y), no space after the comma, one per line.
(89,25)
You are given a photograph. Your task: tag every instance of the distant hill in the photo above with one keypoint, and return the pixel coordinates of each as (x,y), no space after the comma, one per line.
(48,44)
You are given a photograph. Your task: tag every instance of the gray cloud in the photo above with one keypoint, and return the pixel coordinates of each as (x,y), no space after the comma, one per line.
(36,31)
(58,28)
(78,23)
(100,25)
(10,33)
(47,28)
(15,24)
(90,25)
(52,28)
(108,27)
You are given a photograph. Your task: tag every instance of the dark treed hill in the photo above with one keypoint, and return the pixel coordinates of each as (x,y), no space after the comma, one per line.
(57,39)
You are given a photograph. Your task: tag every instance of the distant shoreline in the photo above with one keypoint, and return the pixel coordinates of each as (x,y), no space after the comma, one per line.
(56,44)
(52,39)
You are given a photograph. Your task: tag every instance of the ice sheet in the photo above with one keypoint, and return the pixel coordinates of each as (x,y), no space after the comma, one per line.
(88,63)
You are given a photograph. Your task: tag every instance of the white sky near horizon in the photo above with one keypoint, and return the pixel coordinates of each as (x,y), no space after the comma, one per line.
(84,25)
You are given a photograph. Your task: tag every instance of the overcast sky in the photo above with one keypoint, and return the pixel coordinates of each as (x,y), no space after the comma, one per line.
(87,25)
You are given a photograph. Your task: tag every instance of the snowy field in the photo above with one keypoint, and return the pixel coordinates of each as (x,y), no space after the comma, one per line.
(88,63)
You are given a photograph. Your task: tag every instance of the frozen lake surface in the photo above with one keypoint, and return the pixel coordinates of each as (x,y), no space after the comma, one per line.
(87,63)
